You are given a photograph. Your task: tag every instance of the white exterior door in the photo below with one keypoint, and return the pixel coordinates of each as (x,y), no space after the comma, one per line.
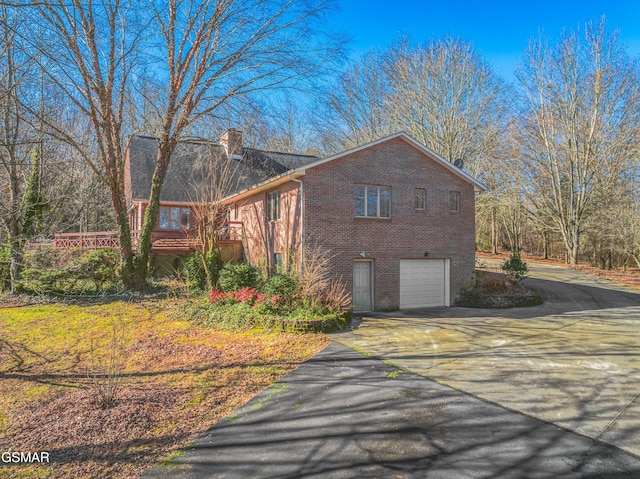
(424,283)
(362,285)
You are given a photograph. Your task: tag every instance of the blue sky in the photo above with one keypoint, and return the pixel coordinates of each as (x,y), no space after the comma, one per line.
(500,30)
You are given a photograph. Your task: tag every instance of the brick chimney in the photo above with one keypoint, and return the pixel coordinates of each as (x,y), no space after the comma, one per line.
(232,142)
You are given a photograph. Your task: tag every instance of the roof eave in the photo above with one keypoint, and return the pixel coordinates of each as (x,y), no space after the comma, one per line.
(300,171)
(477,185)
(264,186)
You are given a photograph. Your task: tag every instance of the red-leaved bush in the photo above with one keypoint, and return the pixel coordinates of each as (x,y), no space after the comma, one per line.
(245,295)
(217,296)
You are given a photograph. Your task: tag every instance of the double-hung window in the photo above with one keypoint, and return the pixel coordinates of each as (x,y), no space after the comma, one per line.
(372,201)
(273,205)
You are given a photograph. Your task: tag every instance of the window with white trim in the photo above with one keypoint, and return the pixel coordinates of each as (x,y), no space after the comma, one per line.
(372,201)
(174,218)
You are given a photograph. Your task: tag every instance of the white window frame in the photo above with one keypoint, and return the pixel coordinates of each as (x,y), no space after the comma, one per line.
(378,189)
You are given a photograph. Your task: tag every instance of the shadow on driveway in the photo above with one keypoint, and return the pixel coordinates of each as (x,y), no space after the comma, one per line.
(345,415)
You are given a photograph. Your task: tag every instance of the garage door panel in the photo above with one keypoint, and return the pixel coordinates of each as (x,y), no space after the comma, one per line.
(423,283)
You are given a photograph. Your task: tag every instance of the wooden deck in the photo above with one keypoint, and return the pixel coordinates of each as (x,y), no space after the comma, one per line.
(228,233)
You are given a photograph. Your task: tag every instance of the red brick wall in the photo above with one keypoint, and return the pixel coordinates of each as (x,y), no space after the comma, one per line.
(330,221)
(263,239)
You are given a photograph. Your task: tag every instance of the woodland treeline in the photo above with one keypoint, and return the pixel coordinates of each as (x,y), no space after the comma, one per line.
(557,146)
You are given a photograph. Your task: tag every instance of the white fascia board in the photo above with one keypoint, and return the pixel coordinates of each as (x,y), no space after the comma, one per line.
(264,186)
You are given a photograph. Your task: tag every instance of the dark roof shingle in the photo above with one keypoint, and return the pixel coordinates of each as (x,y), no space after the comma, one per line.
(186,169)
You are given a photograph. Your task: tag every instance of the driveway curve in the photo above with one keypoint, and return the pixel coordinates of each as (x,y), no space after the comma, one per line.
(573,361)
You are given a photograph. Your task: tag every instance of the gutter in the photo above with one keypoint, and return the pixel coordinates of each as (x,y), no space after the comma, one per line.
(301,254)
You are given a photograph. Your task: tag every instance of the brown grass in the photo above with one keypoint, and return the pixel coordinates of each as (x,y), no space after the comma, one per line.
(179,378)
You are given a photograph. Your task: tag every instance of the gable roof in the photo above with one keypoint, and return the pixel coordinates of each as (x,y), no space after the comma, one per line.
(300,170)
(186,169)
(478,186)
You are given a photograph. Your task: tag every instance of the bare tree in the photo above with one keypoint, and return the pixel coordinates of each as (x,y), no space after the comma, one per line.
(213,178)
(217,50)
(89,51)
(450,99)
(442,93)
(15,141)
(209,52)
(580,111)
(358,109)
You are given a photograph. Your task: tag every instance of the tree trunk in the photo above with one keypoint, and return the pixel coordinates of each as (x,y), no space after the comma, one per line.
(573,252)
(124,236)
(545,245)
(16,254)
(165,148)
(13,223)
(494,232)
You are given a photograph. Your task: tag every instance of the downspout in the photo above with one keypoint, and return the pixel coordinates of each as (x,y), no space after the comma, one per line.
(301,220)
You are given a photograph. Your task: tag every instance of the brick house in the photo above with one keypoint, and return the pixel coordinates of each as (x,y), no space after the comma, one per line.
(175,230)
(397,220)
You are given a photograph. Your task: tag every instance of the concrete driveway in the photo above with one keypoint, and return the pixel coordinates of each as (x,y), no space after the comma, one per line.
(573,361)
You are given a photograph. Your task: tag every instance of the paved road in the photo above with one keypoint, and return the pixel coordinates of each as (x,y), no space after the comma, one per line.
(343,414)
(573,361)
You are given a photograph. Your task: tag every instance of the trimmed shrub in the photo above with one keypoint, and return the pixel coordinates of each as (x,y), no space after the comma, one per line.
(48,257)
(235,276)
(497,290)
(284,286)
(493,283)
(53,280)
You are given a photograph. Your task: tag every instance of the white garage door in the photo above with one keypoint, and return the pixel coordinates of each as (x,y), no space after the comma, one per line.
(424,283)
